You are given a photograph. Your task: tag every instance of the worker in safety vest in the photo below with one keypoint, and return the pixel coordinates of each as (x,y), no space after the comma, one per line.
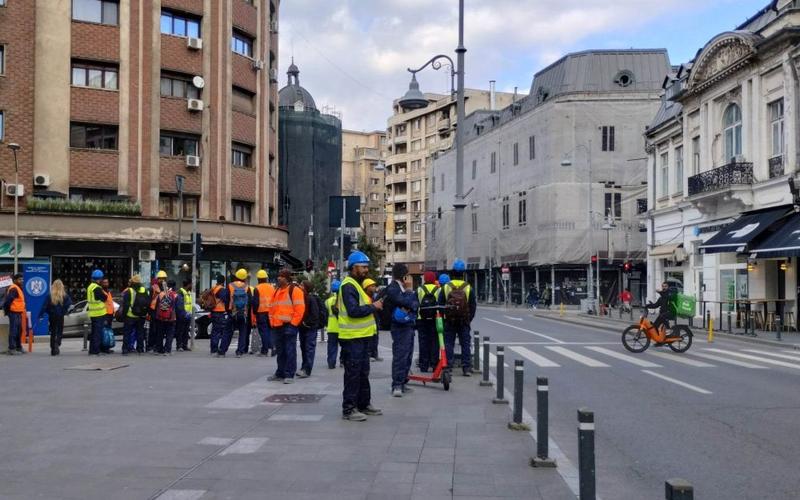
(96,299)
(286,312)
(154,344)
(333,325)
(109,311)
(220,340)
(461,304)
(184,317)
(428,295)
(14,308)
(262,299)
(356,328)
(239,309)
(134,312)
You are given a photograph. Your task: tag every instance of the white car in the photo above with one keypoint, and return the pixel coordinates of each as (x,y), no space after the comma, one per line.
(76,321)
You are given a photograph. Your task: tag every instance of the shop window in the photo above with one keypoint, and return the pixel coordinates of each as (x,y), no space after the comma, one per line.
(75,273)
(176,24)
(173,144)
(94,75)
(96,11)
(241,155)
(93,136)
(242,211)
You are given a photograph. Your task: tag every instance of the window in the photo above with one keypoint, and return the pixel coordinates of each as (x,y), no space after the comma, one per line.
(608,138)
(493,163)
(2,58)
(433,229)
(613,205)
(474,222)
(374,196)
(2,125)
(171,144)
(417,123)
(776,127)
(96,11)
(243,101)
(95,76)
(416,186)
(241,155)
(522,218)
(415,165)
(176,86)
(679,169)
(664,191)
(506,213)
(374,181)
(416,227)
(732,122)
(516,153)
(179,25)
(92,136)
(242,211)
(168,206)
(433,183)
(242,44)
(532,147)
(474,169)
(695,155)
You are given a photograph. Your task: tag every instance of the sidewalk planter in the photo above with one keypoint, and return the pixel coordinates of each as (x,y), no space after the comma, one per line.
(61,205)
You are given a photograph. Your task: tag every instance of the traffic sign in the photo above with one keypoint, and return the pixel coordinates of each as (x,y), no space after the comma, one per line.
(331,266)
(506,273)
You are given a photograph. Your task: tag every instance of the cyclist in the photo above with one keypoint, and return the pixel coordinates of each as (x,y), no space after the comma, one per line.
(665,313)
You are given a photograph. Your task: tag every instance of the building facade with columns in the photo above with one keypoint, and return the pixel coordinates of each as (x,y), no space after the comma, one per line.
(722,150)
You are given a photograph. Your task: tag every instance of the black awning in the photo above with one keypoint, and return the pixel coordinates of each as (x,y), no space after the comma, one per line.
(784,242)
(736,235)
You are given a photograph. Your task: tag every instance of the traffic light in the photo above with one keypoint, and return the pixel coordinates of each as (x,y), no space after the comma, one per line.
(627,266)
(594,259)
(309,265)
(198,244)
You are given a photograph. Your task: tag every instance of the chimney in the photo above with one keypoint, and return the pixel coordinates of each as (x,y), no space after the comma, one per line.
(492,102)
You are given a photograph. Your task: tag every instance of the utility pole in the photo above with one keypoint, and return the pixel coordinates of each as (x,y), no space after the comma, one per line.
(192,320)
(459,204)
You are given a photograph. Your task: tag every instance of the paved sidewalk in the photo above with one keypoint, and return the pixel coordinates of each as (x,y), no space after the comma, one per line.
(194,427)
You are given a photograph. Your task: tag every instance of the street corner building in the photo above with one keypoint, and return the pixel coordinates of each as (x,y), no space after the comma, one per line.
(111,102)
(722,220)
(554,181)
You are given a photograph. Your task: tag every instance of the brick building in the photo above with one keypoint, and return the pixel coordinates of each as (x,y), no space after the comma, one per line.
(110,100)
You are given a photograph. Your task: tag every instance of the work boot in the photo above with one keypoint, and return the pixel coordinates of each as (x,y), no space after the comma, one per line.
(274,378)
(466,372)
(288,381)
(406,389)
(331,366)
(354,416)
(371,411)
(302,374)
(11,352)
(397,392)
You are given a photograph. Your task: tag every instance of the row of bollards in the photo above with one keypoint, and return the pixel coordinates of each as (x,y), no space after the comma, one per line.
(675,489)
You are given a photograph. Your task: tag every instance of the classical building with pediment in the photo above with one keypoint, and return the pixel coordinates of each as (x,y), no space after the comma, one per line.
(722,151)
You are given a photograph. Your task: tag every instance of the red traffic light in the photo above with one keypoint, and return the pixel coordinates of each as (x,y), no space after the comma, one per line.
(594,259)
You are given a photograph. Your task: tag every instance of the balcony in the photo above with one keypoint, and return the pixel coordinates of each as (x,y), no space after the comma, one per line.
(368,154)
(724,177)
(776,167)
(444,125)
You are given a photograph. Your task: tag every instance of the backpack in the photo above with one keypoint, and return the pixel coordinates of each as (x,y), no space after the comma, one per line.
(239,299)
(140,304)
(384,316)
(207,299)
(108,338)
(165,306)
(322,318)
(682,306)
(428,300)
(458,305)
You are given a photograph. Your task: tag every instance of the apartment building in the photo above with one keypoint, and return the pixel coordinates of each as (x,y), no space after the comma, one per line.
(363,175)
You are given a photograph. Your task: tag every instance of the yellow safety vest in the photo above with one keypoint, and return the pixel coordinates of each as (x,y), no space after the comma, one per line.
(97,308)
(188,301)
(333,321)
(133,298)
(458,283)
(354,328)
(430,288)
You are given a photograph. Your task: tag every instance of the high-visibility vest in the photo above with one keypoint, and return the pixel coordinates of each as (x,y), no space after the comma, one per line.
(97,308)
(109,303)
(18,304)
(287,309)
(430,288)
(219,307)
(458,283)
(265,293)
(355,328)
(333,321)
(188,301)
(132,296)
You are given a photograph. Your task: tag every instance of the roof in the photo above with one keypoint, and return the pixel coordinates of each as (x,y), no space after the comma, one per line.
(668,111)
(293,93)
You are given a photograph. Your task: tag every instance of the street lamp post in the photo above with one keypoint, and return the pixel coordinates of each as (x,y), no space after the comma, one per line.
(14,147)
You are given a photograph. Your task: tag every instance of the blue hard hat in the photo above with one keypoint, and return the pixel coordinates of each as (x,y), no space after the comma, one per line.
(444,279)
(459,266)
(357,258)
(335,284)
(97,274)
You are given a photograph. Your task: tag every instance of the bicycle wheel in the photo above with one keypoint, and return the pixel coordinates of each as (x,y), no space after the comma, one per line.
(685,341)
(635,339)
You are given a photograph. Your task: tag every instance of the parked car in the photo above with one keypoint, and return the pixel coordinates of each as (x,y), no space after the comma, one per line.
(202,323)
(76,321)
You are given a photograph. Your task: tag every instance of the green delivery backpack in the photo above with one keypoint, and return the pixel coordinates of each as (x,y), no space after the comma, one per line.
(683,306)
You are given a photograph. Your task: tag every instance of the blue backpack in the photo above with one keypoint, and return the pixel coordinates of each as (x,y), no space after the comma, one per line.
(239,298)
(108,338)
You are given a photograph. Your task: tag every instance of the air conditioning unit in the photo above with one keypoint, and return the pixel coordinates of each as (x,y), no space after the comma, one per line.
(273,26)
(258,64)
(194,43)
(41,180)
(192,161)
(273,75)
(15,190)
(147,255)
(194,105)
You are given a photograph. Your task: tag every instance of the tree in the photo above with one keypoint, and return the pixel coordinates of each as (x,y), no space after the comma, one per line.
(374,253)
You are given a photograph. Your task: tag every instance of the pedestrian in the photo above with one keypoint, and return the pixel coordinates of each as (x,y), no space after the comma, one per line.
(262,299)
(626,298)
(428,297)
(332,327)
(533,297)
(184,317)
(157,286)
(109,313)
(356,327)
(134,311)
(14,309)
(239,309)
(309,327)
(220,341)
(370,288)
(96,299)
(461,304)
(169,303)
(286,314)
(56,306)
(403,306)
(547,296)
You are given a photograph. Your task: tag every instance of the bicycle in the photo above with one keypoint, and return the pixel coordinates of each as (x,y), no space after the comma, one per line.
(637,338)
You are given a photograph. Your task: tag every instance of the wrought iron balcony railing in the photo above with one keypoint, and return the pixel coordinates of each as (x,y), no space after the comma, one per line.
(775,167)
(732,174)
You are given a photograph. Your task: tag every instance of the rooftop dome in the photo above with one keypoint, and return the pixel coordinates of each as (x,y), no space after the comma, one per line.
(293,95)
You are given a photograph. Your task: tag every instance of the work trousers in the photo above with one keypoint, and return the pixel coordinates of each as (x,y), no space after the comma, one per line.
(355,354)
(56,332)
(333,348)
(285,338)
(402,352)
(166,336)
(96,335)
(462,333)
(15,331)
(428,344)
(153,332)
(241,322)
(182,331)
(133,335)
(373,346)
(219,333)
(264,331)
(308,348)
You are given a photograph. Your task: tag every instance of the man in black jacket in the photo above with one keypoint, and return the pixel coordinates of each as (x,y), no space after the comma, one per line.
(399,295)
(665,313)
(308,330)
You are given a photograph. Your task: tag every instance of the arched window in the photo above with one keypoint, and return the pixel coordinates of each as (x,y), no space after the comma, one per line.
(732,122)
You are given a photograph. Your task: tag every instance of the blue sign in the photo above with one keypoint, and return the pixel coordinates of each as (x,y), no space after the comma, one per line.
(37,288)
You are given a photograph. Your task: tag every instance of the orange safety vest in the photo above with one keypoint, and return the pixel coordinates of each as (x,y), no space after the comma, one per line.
(109,303)
(286,309)
(18,304)
(265,293)
(220,307)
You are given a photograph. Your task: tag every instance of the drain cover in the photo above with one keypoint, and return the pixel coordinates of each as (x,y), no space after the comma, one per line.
(294,398)
(98,367)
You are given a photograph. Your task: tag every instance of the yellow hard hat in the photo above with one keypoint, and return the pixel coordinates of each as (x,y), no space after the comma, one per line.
(368,283)
(262,274)
(241,274)
(161,274)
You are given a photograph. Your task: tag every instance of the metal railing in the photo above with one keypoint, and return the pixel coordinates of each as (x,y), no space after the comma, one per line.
(775,166)
(732,174)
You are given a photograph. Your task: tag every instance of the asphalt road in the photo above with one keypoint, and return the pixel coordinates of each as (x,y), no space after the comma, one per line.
(723,416)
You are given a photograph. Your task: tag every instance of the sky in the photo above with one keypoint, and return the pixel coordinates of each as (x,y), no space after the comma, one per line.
(353,54)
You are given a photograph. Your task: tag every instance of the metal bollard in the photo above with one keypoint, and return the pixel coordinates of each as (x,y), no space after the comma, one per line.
(485,382)
(678,489)
(730,327)
(519,380)
(778,327)
(542,415)
(476,351)
(586,470)
(499,398)
(85,336)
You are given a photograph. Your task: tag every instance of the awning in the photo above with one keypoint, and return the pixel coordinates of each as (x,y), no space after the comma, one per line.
(784,242)
(736,235)
(665,251)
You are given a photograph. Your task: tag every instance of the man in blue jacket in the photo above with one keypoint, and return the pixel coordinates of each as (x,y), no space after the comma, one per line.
(403,305)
